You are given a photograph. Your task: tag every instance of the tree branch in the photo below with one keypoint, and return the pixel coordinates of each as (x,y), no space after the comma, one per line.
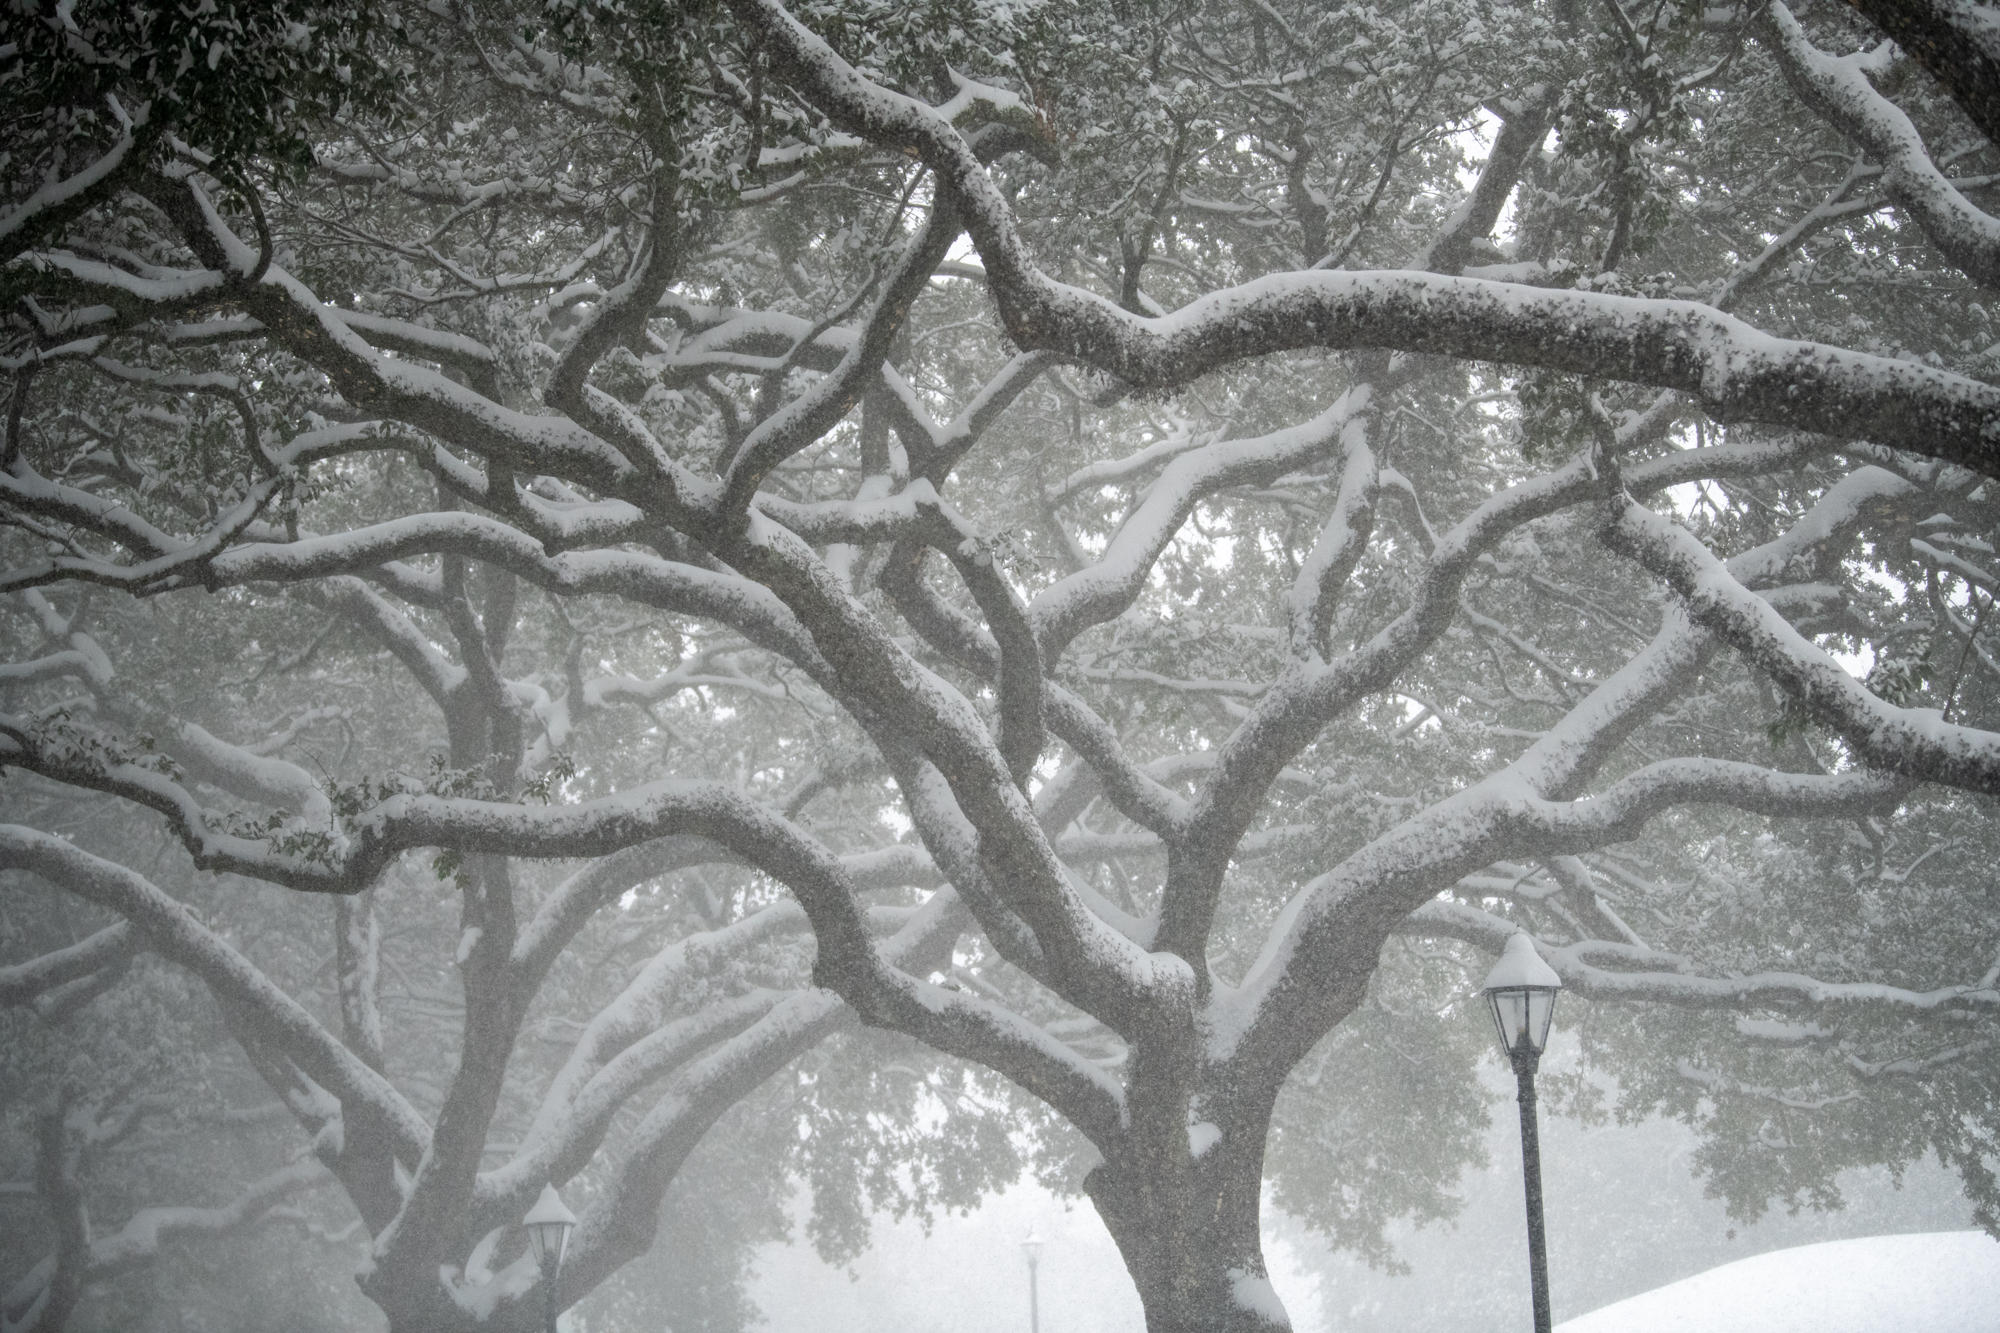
(1836,88)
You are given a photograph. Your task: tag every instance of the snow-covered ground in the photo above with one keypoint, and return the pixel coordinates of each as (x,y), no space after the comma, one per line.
(1931,1282)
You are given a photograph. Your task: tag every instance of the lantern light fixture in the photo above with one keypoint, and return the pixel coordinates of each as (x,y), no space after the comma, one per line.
(1031,1248)
(1521,989)
(548,1225)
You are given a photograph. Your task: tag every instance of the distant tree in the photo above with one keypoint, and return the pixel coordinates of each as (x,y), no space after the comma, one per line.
(134,1134)
(1406,475)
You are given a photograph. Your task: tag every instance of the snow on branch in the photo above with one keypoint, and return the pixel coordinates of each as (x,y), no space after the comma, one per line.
(478,362)
(148,1230)
(1837,88)
(43,1297)
(1324,573)
(1957,41)
(641,1007)
(574,1120)
(806,418)
(1522,129)
(1913,741)
(573,901)
(1520,811)
(171,931)
(1108,586)
(1737,372)
(1500,817)
(61,198)
(30,982)
(1648,976)
(620,1223)
(1310,692)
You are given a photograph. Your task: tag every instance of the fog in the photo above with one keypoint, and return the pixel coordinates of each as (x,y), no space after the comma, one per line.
(1625,1215)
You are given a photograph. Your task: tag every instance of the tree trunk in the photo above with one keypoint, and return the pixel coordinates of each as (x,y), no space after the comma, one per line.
(1183,1210)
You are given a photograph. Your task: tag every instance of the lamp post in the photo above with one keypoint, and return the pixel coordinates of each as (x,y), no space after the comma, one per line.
(1521,989)
(548,1225)
(1032,1248)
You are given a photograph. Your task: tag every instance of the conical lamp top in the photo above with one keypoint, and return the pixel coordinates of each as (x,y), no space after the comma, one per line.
(1520,965)
(549,1208)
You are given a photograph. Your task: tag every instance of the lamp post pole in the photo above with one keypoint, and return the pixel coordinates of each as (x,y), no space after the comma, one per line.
(1521,991)
(1032,1248)
(548,1225)
(1531,1174)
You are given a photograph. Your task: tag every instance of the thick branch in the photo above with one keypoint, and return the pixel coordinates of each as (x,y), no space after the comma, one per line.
(25,983)
(1836,88)
(1656,978)
(1737,372)
(1913,741)
(171,931)
(1955,40)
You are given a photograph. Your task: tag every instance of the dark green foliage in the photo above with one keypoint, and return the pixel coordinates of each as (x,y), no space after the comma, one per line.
(233,85)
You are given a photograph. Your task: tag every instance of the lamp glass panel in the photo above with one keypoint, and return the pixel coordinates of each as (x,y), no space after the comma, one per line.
(1541,1010)
(1510,1015)
(1521,1015)
(546,1240)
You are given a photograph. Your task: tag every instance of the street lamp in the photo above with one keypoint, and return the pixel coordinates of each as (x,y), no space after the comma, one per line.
(1032,1248)
(1521,989)
(548,1225)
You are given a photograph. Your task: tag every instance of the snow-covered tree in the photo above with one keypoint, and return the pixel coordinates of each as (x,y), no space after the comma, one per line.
(1153,535)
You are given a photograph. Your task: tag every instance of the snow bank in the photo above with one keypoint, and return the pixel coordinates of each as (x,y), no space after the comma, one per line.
(1932,1282)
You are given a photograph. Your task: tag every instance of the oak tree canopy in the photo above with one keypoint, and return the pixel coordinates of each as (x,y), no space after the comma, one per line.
(559,557)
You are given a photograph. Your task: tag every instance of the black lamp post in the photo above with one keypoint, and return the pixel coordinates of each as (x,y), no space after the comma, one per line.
(1032,1248)
(548,1225)
(1522,991)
